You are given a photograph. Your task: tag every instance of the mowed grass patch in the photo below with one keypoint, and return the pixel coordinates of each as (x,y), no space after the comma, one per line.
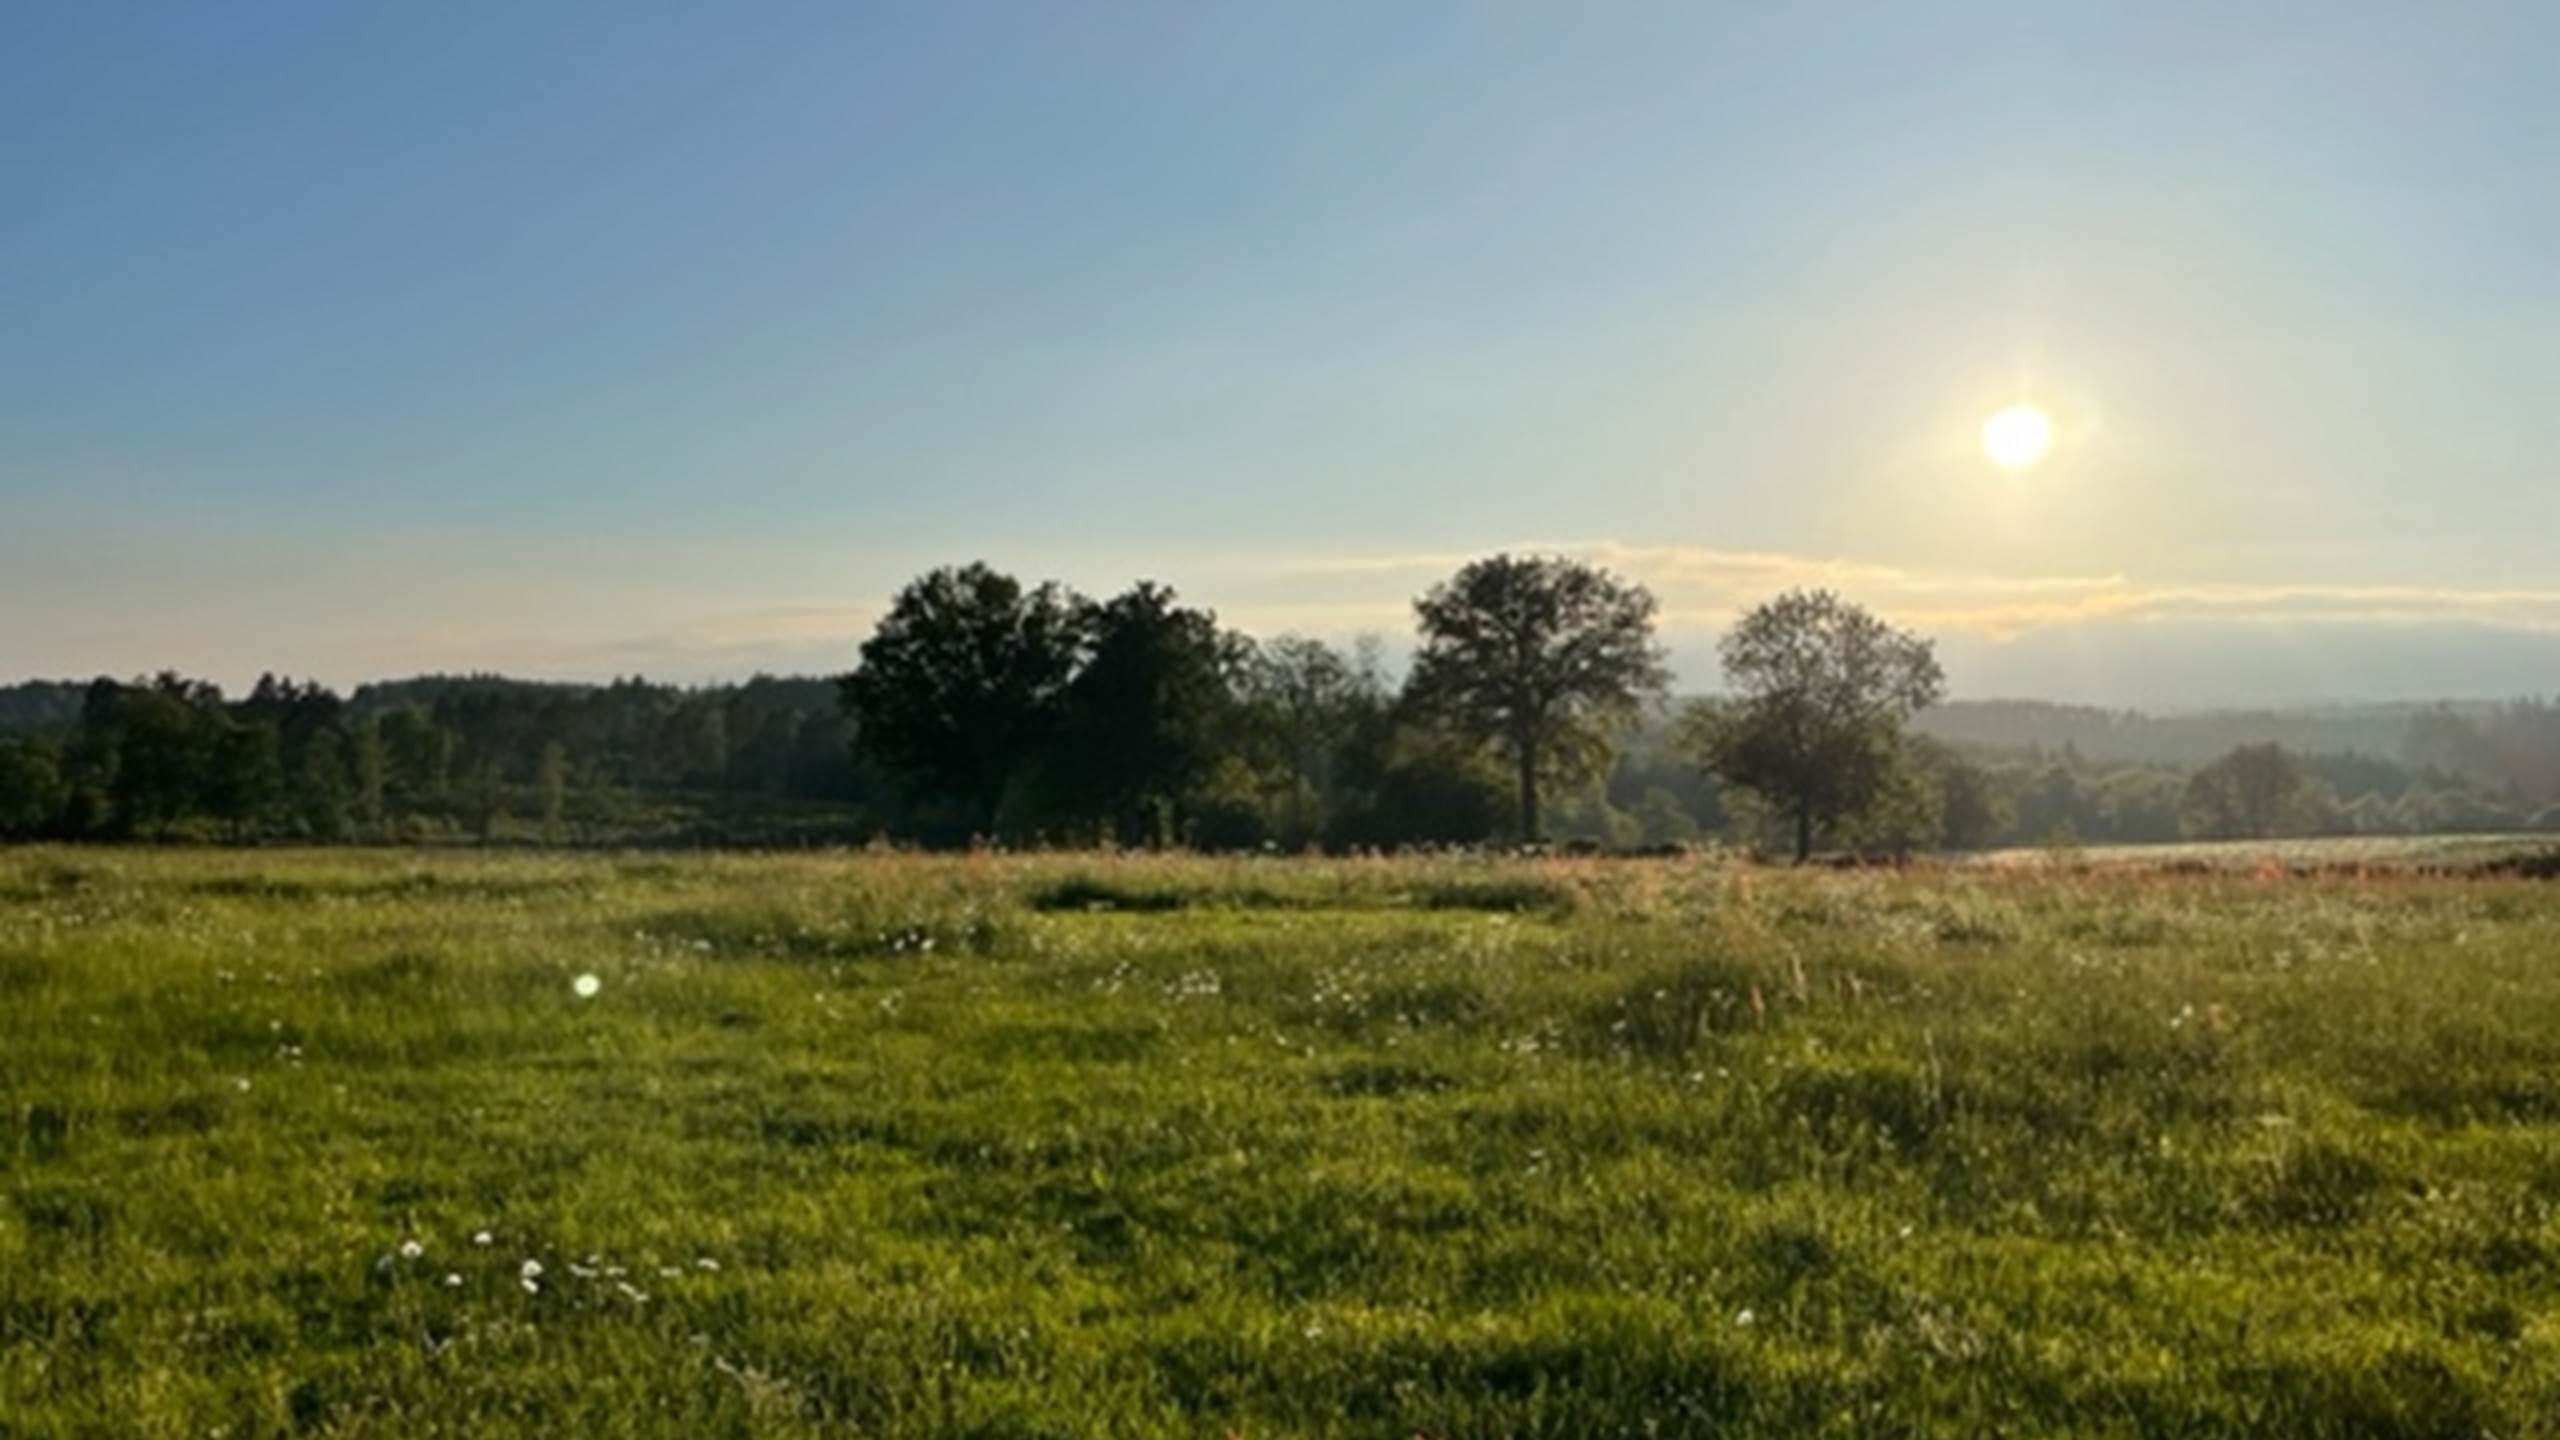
(331,1144)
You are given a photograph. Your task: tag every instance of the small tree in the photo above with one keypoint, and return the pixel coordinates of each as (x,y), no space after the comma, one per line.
(31,788)
(1971,811)
(244,775)
(1664,820)
(552,779)
(1822,692)
(2248,794)
(321,794)
(964,683)
(1303,701)
(1408,782)
(417,760)
(1543,656)
(372,771)
(484,800)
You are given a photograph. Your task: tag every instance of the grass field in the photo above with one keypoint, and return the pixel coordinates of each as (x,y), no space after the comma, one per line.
(2326,852)
(331,1144)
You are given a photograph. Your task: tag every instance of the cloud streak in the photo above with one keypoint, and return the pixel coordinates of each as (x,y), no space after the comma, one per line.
(592,613)
(1703,588)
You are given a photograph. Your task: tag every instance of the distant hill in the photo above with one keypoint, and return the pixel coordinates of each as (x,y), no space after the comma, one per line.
(2132,737)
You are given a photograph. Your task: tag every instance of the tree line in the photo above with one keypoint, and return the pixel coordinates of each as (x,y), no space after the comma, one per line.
(986,709)
(473,757)
(1032,713)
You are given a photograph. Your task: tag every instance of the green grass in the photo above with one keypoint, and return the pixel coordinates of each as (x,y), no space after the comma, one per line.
(2322,851)
(1131,1147)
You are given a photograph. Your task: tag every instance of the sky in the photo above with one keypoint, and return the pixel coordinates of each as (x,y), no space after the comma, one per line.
(587,339)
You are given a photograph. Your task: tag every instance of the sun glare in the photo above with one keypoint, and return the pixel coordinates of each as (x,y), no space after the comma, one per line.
(2017,437)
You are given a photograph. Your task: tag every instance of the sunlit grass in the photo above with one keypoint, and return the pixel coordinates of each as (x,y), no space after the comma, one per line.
(343,1144)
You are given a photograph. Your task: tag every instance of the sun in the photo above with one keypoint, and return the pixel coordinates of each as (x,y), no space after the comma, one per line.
(2016,437)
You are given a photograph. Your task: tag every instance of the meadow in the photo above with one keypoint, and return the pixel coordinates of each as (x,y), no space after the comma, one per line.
(382,1143)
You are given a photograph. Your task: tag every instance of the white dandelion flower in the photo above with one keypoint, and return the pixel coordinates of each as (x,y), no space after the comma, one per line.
(531,1270)
(586,986)
(483,1238)
(452,1281)
(1745,1317)
(411,1249)
(707,1263)
(531,1287)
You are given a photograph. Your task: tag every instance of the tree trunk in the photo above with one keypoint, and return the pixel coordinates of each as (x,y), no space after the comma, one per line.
(1804,835)
(1528,794)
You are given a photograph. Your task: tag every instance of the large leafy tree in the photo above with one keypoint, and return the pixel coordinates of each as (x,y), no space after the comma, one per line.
(1151,710)
(1543,656)
(964,683)
(1822,691)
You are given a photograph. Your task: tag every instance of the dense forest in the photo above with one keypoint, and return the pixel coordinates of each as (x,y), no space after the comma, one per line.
(2449,735)
(773,762)
(2066,772)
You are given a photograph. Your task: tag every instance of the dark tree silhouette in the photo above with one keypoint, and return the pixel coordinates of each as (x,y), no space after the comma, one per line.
(31,788)
(1822,691)
(964,682)
(161,738)
(370,764)
(1150,709)
(244,775)
(1544,656)
(320,793)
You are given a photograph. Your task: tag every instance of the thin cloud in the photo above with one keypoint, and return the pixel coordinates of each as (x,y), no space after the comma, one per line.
(1703,588)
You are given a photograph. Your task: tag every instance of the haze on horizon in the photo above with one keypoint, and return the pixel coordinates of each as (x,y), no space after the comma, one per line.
(600,339)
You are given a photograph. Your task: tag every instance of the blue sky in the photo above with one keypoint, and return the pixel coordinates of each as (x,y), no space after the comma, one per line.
(581,339)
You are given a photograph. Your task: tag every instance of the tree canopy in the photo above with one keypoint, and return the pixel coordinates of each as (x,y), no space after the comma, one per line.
(965,681)
(1822,690)
(1149,711)
(1543,656)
